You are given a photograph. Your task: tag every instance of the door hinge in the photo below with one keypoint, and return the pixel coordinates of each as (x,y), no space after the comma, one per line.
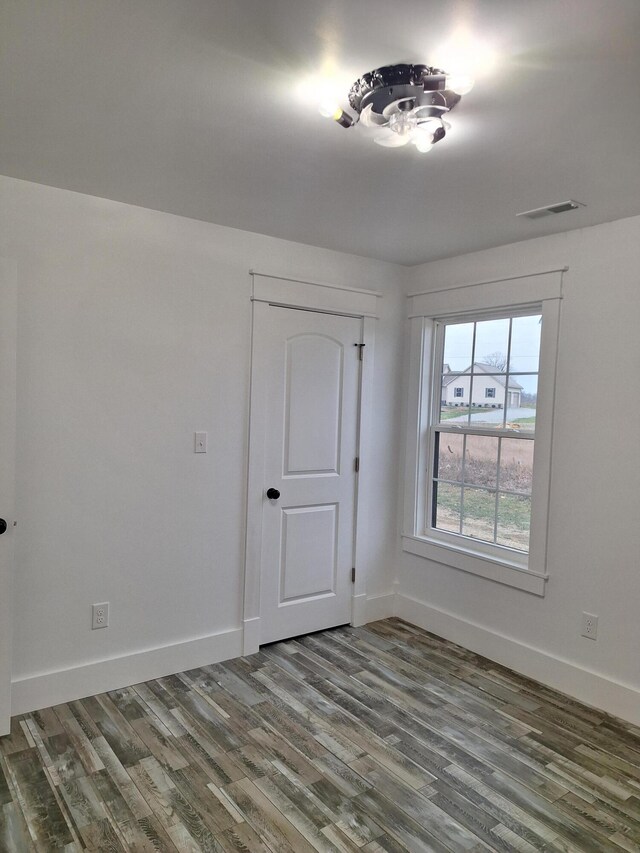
(353,575)
(360,350)
(356,464)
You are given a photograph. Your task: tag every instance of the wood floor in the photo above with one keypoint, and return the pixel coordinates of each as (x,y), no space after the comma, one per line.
(378,739)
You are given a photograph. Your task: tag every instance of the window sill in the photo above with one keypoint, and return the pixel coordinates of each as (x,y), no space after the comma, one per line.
(476,564)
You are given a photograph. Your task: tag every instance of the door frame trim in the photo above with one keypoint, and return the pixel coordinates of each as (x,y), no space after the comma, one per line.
(8,353)
(331,299)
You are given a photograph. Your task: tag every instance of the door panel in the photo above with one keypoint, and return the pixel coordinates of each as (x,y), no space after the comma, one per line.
(314,366)
(306,573)
(311,376)
(7,474)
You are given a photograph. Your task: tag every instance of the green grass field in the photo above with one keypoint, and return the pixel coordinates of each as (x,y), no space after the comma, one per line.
(514,514)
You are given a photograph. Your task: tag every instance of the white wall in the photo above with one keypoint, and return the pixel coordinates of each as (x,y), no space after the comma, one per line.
(594,545)
(133,332)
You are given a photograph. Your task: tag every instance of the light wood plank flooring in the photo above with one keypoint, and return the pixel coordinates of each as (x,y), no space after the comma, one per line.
(382,738)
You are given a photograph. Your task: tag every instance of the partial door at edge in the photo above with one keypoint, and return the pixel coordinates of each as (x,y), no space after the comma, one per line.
(311,373)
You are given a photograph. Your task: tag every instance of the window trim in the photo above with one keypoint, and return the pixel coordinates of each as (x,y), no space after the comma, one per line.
(538,292)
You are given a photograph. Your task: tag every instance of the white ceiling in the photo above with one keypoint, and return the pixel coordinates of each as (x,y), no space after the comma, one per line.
(192,107)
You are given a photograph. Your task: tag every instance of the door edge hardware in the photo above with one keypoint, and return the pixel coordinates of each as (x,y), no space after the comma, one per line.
(353,575)
(360,350)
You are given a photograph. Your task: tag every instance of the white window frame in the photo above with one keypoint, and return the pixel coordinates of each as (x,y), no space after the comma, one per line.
(536,293)
(490,393)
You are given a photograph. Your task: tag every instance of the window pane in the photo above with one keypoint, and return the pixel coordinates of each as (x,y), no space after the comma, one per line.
(492,343)
(514,516)
(516,464)
(449,458)
(522,396)
(478,514)
(481,460)
(458,344)
(454,397)
(447,503)
(487,412)
(481,486)
(525,344)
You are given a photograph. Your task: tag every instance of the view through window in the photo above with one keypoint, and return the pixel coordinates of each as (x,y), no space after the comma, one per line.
(483,434)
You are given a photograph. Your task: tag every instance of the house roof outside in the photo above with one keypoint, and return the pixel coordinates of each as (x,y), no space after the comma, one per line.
(479,367)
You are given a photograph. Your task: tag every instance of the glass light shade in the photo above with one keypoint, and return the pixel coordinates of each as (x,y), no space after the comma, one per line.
(459,83)
(402,123)
(423,141)
(391,140)
(328,108)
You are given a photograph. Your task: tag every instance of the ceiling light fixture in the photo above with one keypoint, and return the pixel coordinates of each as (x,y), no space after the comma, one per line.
(405,103)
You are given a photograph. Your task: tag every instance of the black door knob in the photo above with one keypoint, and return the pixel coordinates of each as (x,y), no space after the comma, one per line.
(273,494)
(3,526)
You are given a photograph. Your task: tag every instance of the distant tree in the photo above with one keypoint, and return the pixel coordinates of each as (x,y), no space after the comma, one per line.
(497,360)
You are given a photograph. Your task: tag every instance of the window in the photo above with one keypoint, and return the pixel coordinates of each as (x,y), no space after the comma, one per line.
(481,459)
(458,392)
(478,469)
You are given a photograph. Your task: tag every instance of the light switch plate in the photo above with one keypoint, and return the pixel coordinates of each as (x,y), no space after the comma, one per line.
(200,442)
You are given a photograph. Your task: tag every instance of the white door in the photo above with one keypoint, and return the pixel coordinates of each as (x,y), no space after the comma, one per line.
(310,369)
(7,464)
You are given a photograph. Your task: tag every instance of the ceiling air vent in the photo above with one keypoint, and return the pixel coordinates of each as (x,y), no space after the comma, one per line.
(560,207)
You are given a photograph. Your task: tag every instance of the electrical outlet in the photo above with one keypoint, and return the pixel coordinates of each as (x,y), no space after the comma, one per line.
(590,626)
(100,615)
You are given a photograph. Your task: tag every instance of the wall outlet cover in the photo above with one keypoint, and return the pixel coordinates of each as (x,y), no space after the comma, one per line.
(100,615)
(590,626)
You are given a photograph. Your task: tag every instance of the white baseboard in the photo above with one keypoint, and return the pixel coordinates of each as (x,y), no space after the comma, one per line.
(65,685)
(593,688)
(52,688)
(380,607)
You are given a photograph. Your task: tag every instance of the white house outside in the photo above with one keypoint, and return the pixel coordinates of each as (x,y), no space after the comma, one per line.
(489,391)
